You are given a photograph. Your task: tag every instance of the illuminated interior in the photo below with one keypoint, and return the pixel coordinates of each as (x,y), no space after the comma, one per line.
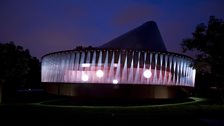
(107,66)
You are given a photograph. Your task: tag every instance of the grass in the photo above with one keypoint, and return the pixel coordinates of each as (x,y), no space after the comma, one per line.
(199,111)
(57,103)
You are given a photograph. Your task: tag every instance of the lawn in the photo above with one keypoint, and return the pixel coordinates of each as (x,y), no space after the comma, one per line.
(36,111)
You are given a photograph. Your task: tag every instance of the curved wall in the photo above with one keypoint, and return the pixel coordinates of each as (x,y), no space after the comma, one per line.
(87,91)
(107,66)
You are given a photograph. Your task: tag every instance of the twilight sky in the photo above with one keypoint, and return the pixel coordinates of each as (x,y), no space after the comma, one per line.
(45,26)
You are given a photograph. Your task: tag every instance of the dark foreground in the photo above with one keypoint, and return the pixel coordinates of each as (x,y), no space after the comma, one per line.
(25,112)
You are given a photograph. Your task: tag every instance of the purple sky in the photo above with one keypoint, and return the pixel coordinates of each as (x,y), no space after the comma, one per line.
(45,26)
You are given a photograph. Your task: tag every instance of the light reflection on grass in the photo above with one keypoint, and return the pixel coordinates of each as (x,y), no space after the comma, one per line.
(194,100)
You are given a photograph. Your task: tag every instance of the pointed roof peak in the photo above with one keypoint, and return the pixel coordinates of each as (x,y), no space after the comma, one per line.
(150,23)
(146,36)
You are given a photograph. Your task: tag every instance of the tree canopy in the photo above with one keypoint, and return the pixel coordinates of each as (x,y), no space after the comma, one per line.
(208,42)
(17,67)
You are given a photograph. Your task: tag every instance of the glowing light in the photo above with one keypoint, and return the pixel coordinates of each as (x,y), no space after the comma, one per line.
(193,77)
(118,67)
(85,77)
(115,81)
(147,73)
(86,65)
(99,73)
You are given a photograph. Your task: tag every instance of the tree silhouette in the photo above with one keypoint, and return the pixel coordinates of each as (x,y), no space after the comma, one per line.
(17,69)
(208,41)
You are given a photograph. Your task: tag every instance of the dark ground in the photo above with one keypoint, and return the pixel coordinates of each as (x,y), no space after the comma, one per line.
(23,112)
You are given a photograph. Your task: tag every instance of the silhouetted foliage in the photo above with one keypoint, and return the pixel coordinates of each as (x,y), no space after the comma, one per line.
(79,48)
(18,69)
(82,48)
(208,41)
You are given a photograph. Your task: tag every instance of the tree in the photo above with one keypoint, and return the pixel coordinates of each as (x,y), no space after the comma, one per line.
(17,68)
(208,41)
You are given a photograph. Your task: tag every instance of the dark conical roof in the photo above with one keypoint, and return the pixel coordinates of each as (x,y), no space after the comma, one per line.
(146,36)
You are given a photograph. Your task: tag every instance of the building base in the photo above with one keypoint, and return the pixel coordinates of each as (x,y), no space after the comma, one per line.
(112,91)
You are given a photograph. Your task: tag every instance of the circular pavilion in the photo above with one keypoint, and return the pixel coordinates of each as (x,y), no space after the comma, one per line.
(135,65)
